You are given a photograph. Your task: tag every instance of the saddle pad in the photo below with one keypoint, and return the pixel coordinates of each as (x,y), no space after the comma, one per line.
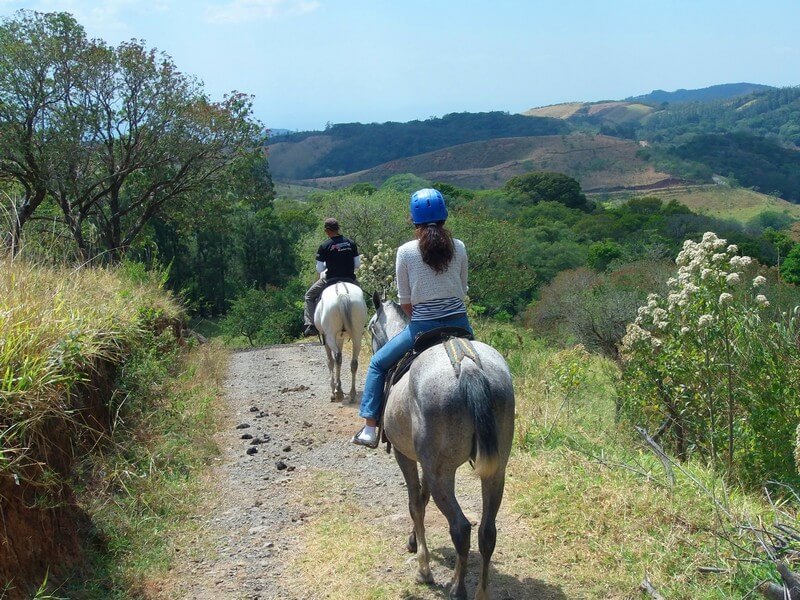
(457,349)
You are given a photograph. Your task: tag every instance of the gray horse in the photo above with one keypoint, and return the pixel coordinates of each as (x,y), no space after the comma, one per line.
(440,420)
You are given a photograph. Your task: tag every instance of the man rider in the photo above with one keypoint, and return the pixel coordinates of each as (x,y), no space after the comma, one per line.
(337,260)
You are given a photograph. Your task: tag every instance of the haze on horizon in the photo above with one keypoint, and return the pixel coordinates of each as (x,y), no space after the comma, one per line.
(310,62)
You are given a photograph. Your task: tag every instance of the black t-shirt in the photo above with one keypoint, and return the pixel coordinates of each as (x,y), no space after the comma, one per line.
(338,253)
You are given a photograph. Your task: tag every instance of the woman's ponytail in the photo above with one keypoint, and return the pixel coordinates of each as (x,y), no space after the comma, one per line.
(436,245)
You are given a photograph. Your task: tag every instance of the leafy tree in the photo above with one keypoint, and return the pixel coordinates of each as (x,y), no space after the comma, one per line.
(363,189)
(266,316)
(40,56)
(592,308)
(601,255)
(407,183)
(113,135)
(540,186)
(367,219)
(790,269)
(499,278)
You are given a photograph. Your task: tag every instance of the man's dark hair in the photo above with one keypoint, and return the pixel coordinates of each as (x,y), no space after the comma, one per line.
(331,224)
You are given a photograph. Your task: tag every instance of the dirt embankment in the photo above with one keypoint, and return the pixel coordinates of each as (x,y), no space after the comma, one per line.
(40,522)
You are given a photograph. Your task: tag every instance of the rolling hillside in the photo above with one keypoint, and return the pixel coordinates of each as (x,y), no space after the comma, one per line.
(348,147)
(597,162)
(596,112)
(738,203)
(599,143)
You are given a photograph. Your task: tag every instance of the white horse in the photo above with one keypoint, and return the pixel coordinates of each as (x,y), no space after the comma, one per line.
(341,314)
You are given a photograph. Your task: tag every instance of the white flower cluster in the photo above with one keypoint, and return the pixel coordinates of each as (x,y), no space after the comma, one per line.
(634,334)
(711,264)
(377,269)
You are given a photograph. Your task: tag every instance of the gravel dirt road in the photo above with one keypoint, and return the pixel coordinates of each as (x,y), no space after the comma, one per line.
(256,515)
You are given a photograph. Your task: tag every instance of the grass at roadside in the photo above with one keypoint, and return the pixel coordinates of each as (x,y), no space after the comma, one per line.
(56,325)
(144,488)
(100,405)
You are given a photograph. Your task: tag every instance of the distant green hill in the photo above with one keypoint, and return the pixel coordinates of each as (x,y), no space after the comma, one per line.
(724,91)
(773,113)
(753,161)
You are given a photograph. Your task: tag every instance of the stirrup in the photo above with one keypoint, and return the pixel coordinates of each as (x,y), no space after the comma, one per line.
(359,442)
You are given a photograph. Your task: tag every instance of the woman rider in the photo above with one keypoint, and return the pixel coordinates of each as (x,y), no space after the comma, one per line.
(431,283)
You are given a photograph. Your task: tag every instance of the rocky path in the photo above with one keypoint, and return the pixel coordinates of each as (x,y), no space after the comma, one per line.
(281,430)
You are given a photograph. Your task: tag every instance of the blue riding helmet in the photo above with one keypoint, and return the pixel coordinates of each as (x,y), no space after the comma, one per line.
(427,206)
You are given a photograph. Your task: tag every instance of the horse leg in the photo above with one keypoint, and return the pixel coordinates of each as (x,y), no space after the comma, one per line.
(339,393)
(354,366)
(417,499)
(426,496)
(331,371)
(444,494)
(492,489)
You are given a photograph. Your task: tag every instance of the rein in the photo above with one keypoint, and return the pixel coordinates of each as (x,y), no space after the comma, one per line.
(378,335)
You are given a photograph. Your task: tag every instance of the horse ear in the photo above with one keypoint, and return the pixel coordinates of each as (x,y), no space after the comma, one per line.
(376,300)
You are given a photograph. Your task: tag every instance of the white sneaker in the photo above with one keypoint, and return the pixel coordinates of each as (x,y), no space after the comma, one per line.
(362,438)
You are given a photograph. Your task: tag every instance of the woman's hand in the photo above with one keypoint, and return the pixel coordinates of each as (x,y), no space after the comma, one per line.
(406,309)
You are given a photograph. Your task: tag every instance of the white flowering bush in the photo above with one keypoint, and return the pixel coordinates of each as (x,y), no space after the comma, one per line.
(712,368)
(377,271)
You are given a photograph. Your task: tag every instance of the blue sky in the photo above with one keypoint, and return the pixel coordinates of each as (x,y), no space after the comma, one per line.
(308,62)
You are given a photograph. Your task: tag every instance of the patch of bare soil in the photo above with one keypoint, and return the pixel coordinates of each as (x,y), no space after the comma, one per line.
(282,431)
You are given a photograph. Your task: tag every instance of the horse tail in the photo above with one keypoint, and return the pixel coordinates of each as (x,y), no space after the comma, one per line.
(475,389)
(346,309)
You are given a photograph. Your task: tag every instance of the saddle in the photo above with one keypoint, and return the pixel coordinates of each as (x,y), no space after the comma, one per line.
(457,344)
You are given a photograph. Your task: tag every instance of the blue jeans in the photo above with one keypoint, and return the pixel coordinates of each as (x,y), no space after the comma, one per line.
(385,358)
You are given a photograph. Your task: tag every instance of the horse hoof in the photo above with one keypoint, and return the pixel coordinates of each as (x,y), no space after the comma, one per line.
(411,545)
(425,578)
(455,595)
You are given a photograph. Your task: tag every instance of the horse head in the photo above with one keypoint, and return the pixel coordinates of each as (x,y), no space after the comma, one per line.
(388,320)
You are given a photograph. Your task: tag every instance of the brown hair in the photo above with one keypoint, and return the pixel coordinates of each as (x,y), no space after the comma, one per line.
(436,245)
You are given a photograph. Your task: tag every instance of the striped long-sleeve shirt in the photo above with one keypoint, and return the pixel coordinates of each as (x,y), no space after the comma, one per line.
(432,295)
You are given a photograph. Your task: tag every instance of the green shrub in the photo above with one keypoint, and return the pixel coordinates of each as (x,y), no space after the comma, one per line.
(712,367)
(270,316)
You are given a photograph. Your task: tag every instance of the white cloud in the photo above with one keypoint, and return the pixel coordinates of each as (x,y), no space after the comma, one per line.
(101,16)
(241,11)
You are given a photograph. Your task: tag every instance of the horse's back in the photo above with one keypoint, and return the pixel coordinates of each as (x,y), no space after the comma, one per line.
(427,411)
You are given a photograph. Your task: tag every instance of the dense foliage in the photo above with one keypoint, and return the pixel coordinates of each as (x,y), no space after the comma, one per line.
(544,186)
(753,161)
(773,113)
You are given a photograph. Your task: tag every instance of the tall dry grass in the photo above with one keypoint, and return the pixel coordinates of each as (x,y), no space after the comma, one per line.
(57,324)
